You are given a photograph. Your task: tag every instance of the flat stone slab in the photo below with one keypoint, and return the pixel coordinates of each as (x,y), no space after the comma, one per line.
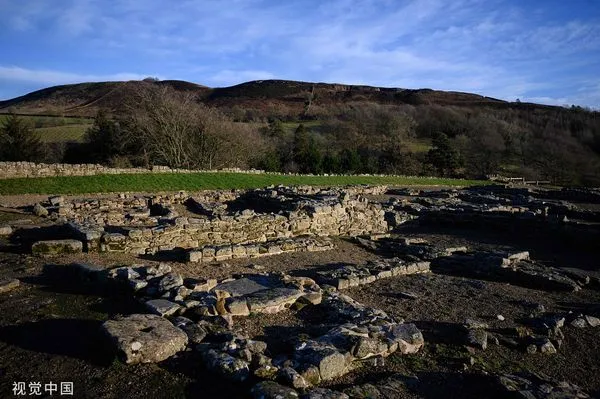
(145,338)
(5,230)
(57,247)
(248,285)
(162,307)
(8,284)
(273,300)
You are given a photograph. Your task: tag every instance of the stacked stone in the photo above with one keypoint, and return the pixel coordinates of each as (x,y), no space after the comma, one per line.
(346,217)
(348,276)
(212,253)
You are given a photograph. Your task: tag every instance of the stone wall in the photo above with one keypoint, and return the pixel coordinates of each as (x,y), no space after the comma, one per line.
(9,170)
(349,217)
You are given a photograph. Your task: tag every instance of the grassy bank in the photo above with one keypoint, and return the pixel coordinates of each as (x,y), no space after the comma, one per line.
(51,129)
(198,181)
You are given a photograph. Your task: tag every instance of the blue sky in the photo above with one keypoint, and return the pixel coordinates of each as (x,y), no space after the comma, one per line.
(545,51)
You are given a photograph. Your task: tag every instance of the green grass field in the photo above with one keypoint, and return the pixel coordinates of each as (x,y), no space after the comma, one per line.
(52,129)
(62,133)
(199,181)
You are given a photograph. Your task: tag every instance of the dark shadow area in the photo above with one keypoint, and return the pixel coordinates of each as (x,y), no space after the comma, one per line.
(80,339)
(565,245)
(590,309)
(172,255)
(441,332)
(517,277)
(26,236)
(205,384)
(434,385)
(196,208)
(115,298)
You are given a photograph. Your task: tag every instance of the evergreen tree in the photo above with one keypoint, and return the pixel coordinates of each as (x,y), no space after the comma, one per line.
(276,129)
(330,163)
(443,156)
(350,161)
(104,139)
(18,141)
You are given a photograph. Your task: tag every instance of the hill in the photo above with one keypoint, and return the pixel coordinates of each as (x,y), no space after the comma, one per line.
(293,126)
(83,99)
(86,99)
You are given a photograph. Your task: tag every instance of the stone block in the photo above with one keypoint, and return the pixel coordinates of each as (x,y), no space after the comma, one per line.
(57,247)
(144,338)
(194,256)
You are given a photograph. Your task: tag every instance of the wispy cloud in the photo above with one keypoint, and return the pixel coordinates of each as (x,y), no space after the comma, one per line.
(505,49)
(48,77)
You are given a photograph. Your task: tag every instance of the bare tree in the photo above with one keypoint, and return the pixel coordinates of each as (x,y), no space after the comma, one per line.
(172,128)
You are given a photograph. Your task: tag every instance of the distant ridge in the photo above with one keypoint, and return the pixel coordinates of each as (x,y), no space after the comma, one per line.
(86,99)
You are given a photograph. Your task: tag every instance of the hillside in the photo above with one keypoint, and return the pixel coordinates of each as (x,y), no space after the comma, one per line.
(86,99)
(83,99)
(291,126)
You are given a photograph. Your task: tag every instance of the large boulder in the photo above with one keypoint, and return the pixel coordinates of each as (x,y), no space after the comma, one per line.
(145,338)
(330,362)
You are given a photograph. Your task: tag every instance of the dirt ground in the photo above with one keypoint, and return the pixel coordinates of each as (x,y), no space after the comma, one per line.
(50,330)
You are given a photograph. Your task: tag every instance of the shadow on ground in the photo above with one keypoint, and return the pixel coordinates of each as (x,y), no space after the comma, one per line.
(76,338)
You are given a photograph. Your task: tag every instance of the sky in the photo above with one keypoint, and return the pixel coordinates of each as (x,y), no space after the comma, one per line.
(545,51)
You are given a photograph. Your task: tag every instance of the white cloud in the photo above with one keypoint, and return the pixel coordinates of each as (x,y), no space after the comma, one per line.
(48,77)
(486,46)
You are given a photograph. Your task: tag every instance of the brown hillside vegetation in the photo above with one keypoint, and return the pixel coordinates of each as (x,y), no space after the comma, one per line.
(86,99)
(336,128)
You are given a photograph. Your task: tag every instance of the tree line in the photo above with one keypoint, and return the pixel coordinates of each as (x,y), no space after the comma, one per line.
(158,125)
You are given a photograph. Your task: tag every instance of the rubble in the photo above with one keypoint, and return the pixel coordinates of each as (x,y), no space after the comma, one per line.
(201,314)
(537,386)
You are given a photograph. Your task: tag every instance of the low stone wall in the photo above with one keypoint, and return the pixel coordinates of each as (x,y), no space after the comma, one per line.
(346,218)
(10,170)
(224,252)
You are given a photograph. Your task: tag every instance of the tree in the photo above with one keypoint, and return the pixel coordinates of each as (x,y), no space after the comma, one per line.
(350,161)
(443,156)
(172,128)
(330,163)
(18,141)
(105,139)
(276,129)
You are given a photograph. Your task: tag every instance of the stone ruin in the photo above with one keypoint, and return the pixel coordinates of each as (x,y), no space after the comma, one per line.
(197,314)
(211,230)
